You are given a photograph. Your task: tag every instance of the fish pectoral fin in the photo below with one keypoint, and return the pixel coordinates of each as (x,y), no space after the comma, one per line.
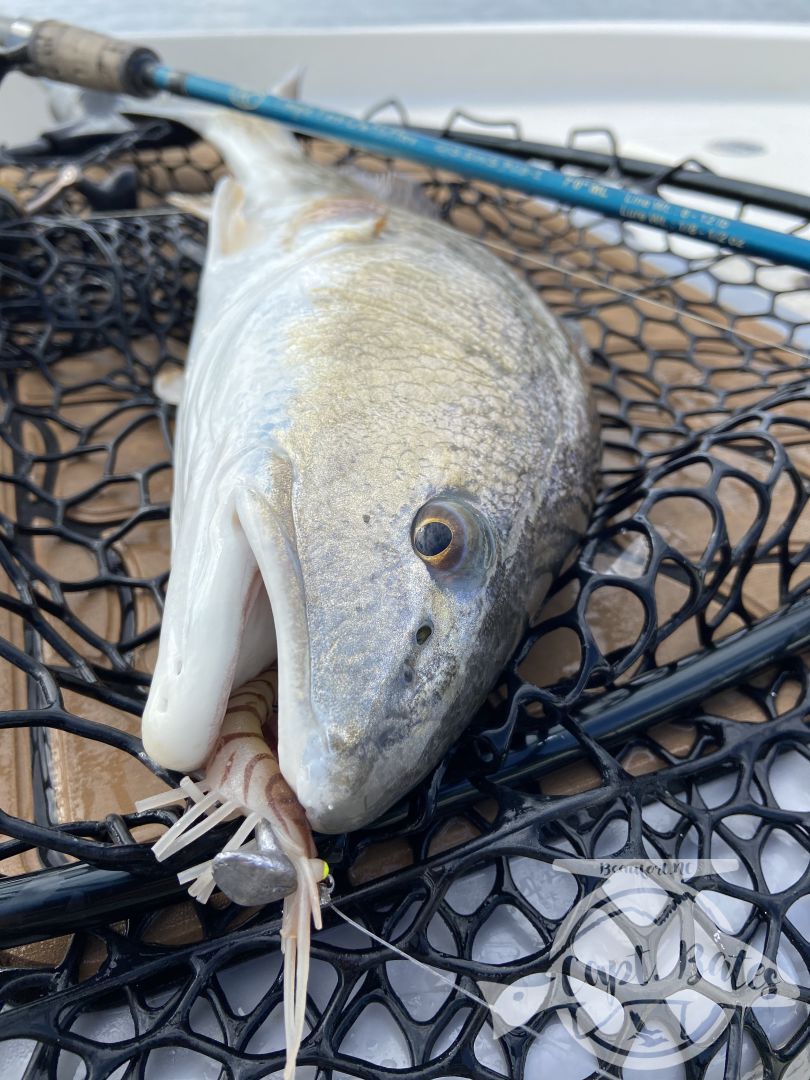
(231,232)
(213,584)
(369,229)
(200,206)
(169,385)
(354,232)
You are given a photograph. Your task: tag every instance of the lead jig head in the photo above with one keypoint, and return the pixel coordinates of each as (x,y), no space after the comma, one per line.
(254,878)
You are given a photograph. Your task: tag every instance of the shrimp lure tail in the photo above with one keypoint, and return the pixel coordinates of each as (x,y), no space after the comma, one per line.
(301,909)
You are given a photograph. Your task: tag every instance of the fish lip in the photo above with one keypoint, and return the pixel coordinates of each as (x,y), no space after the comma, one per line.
(343,818)
(346,788)
(332,803)
(329,823)
(280,568)
(198,656)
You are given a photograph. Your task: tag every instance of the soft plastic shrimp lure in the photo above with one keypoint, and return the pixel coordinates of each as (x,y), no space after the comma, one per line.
(242,778)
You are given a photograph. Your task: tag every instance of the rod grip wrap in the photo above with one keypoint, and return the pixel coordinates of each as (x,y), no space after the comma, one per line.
(70,54)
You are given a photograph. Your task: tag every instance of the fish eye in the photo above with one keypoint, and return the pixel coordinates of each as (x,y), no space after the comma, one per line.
(449,535)
(432,538)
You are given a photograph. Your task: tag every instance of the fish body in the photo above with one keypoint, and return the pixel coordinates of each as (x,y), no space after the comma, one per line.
(385,448)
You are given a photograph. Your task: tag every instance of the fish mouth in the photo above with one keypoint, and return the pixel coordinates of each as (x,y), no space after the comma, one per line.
(215,641)
(333,807)
(234,602)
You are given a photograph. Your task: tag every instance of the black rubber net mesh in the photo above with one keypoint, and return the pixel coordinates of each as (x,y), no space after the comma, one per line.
(603,740)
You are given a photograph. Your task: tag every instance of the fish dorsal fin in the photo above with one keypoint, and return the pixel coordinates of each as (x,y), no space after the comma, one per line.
(290,85)
(394,189)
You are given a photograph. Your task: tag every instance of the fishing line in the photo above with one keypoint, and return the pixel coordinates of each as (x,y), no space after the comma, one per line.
(452,982)
(571,272)
(543,264)
(591,280)
(496,1012)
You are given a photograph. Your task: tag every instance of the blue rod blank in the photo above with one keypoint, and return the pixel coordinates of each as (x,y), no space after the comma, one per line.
(500,169)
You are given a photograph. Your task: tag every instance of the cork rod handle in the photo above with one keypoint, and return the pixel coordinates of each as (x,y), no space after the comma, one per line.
(64,53)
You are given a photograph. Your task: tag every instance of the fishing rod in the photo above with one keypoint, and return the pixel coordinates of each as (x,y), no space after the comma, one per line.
(65,53)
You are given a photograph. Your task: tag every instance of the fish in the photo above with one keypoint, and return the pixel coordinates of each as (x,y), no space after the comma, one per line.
(385,448)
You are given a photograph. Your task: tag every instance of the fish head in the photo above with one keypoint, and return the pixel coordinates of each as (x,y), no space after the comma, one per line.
(391,597)
(404,625)
(404,519)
